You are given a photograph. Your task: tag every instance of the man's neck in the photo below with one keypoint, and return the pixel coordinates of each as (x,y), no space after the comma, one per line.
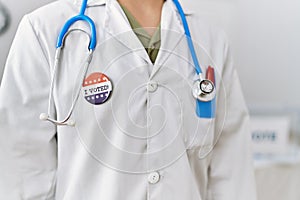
(146,12)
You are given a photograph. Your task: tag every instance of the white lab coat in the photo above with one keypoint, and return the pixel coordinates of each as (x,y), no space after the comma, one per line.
(146,141)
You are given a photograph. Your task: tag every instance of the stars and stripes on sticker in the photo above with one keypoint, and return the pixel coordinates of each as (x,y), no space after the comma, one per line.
(97,88)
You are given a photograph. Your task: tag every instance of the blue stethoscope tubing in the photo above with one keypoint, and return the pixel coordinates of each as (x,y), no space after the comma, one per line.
(80,17)
(93,38)
(59,46)
(188,37)
(204,109)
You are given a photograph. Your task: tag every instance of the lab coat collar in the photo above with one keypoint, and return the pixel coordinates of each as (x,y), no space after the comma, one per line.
(172,32)
(90,3)
(116,24)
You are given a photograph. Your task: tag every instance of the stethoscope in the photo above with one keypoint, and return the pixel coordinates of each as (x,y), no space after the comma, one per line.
(203,89)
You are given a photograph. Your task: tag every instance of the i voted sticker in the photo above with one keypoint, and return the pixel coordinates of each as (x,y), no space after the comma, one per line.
(97,88)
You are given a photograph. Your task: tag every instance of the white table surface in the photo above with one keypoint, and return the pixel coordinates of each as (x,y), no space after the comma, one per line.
(278,177)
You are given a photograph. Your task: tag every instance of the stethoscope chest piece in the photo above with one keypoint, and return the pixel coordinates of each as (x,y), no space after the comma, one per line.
(204,90)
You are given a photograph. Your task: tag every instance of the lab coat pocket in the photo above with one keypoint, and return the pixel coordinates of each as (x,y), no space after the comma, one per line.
(200,136)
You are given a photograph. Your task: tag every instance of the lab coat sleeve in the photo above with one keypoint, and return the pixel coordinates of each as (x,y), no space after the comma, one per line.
(231,175)
(27,145)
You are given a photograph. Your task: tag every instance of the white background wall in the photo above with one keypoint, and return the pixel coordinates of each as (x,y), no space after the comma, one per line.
(16,10)
(265,39)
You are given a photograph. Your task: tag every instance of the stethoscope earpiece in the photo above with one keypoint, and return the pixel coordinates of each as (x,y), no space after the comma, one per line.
(71,122)
(44,116)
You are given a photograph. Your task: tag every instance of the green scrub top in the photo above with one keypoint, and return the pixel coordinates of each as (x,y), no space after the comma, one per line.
(151,44)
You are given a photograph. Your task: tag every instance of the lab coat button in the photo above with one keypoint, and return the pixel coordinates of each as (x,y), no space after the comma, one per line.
(153,177)
(152,86)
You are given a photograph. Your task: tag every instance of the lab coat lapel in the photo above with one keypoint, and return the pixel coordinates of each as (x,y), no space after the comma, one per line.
(117,25)
(172,33)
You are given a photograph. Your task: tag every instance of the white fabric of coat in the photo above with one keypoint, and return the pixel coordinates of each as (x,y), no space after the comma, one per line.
(146,141)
